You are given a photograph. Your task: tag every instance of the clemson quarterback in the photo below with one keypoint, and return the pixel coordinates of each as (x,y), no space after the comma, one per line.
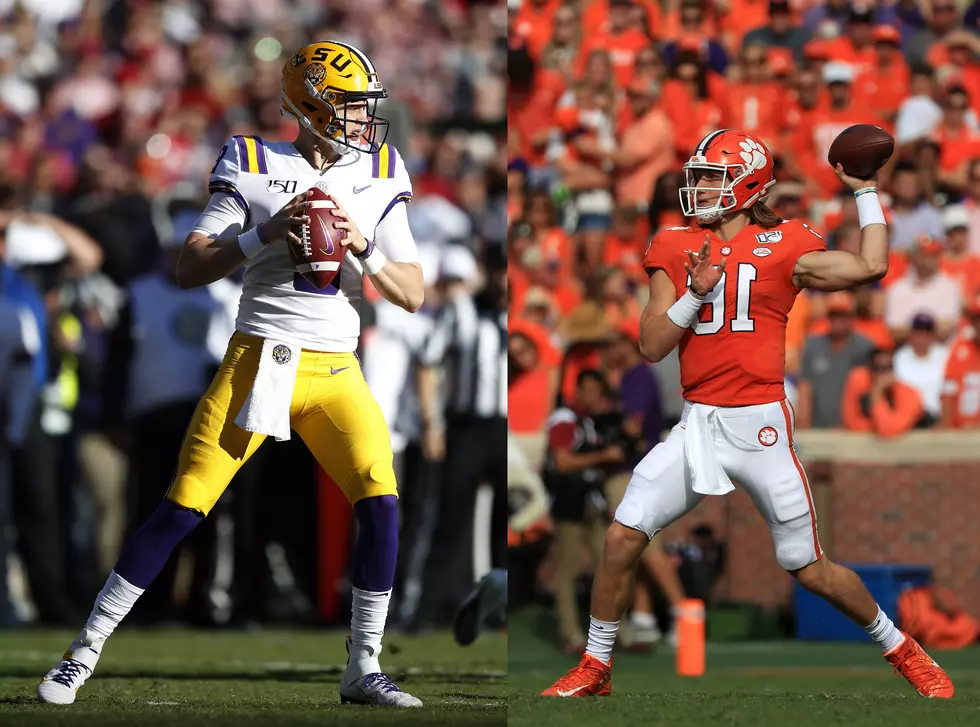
(291,363)
(722,291)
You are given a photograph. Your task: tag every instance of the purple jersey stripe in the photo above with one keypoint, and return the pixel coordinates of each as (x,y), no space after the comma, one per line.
(392,155)
(400,197)
(376,164)
(242,154)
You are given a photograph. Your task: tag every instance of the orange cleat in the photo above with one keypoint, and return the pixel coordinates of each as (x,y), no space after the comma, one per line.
(591,678)
(912,662)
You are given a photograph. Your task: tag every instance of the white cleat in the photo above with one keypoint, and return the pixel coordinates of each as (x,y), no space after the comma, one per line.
(61,684)
(375,689)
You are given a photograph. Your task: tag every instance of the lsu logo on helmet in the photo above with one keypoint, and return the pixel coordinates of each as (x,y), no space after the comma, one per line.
(332,89)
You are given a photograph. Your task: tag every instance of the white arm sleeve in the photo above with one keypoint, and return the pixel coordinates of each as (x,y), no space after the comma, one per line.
(223,217)
(394,238)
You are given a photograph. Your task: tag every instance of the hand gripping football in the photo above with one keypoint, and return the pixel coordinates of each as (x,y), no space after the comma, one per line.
(319,256)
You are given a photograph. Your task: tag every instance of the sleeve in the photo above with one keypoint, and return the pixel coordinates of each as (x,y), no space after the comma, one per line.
(226,169)
(223,216)
(561,430)
(441,338)
(657,256)
(393,236)
(808,240)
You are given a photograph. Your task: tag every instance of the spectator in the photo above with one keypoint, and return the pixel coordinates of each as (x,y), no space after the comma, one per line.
(780,32)
(827,362)
(886,83)
(958,261)
(921,363)
(911,215)
(961,388)
(875,401)
(576,473)
(942,20)
(924,289)
(646,146)
(755,100)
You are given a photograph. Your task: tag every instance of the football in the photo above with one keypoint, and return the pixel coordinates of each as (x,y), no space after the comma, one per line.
(319,257)
(862,150)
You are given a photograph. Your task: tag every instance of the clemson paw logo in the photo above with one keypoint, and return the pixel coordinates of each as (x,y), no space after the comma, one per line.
(768,436)
(753,154)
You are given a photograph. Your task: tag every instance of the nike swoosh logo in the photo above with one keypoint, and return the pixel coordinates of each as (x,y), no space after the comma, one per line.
(337,371)
(570,692)
(358,190)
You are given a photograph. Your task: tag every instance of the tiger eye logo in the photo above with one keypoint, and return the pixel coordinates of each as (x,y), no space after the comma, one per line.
(316,73)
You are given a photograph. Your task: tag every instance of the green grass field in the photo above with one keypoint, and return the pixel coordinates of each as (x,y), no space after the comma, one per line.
(758,684)
(187,678)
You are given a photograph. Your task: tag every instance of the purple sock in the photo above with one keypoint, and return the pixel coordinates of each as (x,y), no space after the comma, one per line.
(149,547)
(376,550)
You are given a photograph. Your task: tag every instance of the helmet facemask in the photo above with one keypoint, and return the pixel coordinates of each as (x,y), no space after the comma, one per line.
(719,179)
(331,108)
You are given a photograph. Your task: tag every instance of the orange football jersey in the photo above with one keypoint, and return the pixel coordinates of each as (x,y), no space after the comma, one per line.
(736,354)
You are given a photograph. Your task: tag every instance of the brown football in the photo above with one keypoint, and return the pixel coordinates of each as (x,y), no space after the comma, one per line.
(319,257)
(862,150)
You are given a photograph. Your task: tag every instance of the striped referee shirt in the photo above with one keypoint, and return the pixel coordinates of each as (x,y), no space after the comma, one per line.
(469,341)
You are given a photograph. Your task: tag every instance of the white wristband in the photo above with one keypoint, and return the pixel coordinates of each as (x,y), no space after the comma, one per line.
(685,311)
(250,242)
(373,263)
(869,207)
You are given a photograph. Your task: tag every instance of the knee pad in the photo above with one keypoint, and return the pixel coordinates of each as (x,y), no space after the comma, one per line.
(792,556)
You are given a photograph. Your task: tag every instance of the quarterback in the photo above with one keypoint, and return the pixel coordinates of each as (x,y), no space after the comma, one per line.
(722,291)
(291,363)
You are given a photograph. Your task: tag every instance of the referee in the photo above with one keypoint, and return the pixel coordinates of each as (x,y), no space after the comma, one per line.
(468,433)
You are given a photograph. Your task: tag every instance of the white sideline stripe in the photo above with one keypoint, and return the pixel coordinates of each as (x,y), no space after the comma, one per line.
(434,670)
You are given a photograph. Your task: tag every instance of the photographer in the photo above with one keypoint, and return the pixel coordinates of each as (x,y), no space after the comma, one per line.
(584,442)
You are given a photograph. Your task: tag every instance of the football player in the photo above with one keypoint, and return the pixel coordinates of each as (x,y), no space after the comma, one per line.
(721,291)
(291,363)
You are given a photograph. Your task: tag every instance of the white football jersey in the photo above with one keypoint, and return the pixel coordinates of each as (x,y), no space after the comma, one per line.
(276,301)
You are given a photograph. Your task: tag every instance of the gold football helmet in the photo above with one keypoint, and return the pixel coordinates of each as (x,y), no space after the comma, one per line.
(329,85)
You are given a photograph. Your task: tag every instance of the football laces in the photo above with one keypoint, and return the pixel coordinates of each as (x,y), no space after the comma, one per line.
(305,242)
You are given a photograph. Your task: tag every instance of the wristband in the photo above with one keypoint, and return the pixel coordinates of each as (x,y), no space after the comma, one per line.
(372,259)
(869,207)
(251,242)
(685,311)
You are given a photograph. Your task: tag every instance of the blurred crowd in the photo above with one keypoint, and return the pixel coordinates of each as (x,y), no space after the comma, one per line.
(112,113)
(608,98)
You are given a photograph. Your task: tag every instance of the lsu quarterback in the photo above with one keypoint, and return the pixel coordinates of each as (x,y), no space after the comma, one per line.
(291,363)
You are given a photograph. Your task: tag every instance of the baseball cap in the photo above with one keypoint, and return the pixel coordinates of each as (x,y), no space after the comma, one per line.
(840,302)
(837,72)
(886,34)
(955,216)
(780,60)
(923,322)
(779,6)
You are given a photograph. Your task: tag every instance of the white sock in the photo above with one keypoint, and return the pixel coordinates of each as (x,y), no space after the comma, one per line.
(111,606)
(367,625)
(884,632)
(602,636)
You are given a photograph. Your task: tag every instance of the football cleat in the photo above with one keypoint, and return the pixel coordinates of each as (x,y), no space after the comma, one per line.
(591,678)
(922,672)
(374,689)
(61,684)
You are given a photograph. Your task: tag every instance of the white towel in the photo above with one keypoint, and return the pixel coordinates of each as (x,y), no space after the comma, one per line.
(266,409)
(699,450)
